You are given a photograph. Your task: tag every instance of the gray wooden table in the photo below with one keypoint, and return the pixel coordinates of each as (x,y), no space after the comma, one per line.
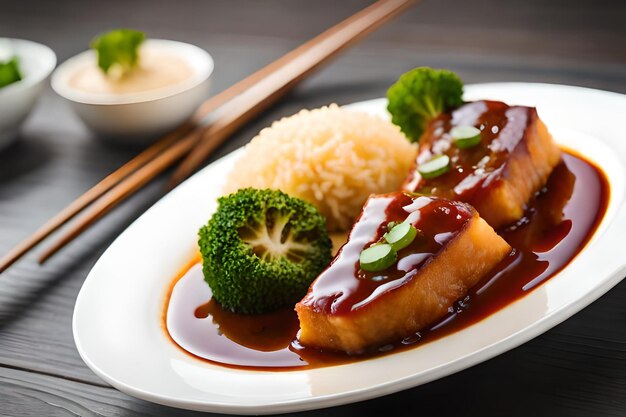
(575,369)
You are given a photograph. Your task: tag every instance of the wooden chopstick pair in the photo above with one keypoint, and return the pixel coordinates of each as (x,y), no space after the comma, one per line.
(197,138)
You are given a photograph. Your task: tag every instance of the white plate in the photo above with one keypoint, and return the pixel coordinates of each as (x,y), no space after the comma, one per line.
(117,319)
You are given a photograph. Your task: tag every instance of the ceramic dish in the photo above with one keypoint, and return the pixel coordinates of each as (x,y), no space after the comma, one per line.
(36,62)
(137,118)
(118,316)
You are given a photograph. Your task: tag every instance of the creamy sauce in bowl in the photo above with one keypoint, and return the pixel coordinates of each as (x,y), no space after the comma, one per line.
(157,69)
(165,68)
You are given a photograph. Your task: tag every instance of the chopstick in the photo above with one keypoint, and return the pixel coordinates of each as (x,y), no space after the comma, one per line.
(142,158)
(95,192)
(255,100)
(326,46)
(278,78)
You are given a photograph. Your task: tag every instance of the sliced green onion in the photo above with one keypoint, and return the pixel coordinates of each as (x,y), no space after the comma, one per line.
(401,236)
(391,225)
(465,136)
(377,257)
(437,166)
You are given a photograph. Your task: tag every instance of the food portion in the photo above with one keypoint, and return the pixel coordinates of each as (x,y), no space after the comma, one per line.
(422,258)
(261,250)
(493,156)
(332,157)
(9,72)
(126,64)
(486,153)
(559,222)
(118,50)
(428,252)
(420,95)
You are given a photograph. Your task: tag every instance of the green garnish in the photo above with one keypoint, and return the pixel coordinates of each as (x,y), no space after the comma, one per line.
(421,95)
(9,72)
(465,136)
(401,236)
(437,166)
(262,249)
(118,49)
(377,257)
(391,225)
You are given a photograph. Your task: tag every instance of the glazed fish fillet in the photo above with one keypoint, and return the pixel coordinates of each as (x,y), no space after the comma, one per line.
(351,310)
(498,177)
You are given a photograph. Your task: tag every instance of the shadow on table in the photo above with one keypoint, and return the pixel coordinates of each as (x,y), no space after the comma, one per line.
(21,158)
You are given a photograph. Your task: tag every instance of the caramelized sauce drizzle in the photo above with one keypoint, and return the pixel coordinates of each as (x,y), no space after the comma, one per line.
(558,223)
(501,127)
(437,221)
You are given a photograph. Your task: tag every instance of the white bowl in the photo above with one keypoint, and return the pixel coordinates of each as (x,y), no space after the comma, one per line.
(36,62)
(137,118)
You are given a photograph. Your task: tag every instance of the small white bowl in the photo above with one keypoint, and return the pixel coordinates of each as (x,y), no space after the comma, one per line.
(36,62)
(137,118)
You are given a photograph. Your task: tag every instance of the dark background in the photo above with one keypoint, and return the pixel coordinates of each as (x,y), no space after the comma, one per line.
(576,369)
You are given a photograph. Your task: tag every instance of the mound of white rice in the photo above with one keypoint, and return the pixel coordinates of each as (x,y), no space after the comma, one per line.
(333,157)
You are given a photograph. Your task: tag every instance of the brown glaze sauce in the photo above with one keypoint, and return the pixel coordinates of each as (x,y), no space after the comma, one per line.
(558,223)
(437,221)
(474,169)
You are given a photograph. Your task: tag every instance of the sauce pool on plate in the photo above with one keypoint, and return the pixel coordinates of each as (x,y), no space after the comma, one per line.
(557,224)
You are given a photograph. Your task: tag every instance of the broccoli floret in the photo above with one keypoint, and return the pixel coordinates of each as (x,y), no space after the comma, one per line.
(262,249)
(118,49)
(9,72)
(421,95)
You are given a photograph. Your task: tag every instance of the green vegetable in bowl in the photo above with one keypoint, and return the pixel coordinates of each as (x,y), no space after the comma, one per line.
(118,50)
(421,95)
(9,72)
(262,249)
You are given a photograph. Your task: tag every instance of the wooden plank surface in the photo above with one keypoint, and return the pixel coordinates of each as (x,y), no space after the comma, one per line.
(578,368)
